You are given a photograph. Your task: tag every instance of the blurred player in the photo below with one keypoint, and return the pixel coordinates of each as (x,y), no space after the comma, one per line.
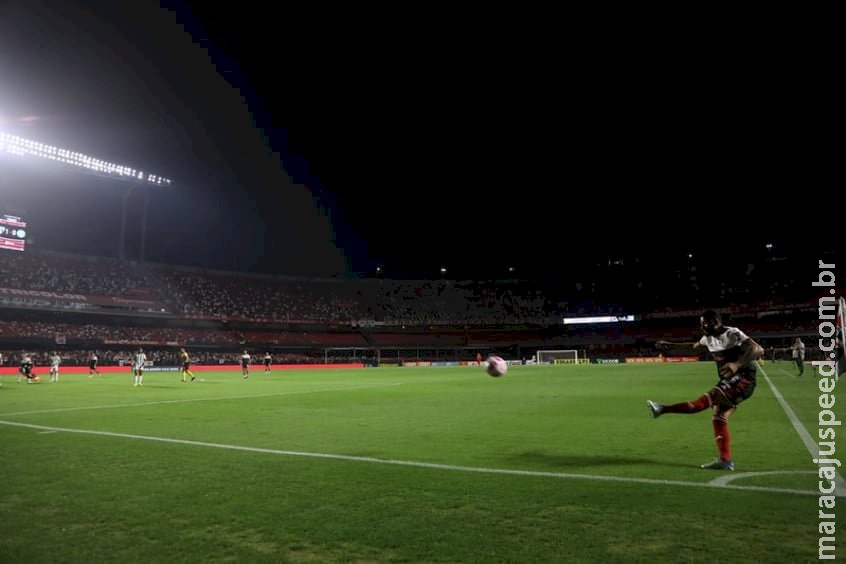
(25,370)
(797,352)
(138,366)
(268,360)
(55,361)
(186,365)
(735,355)
(92,365)
(245,365)
(1,365)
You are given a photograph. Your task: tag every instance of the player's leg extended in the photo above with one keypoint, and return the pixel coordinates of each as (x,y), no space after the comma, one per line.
(701,403)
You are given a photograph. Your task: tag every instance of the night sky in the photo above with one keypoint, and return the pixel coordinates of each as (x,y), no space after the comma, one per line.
(324,143)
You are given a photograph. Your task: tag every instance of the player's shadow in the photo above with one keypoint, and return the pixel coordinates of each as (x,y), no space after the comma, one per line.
(588,460)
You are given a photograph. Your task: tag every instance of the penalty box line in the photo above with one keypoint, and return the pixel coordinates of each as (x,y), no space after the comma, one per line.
(416,464)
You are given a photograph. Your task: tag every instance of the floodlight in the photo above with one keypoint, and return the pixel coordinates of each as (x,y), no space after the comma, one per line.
(20,146)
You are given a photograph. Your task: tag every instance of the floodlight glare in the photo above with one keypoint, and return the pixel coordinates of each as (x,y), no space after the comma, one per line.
(22,147)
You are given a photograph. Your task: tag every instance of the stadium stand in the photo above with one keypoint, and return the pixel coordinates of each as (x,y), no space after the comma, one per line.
(78,304)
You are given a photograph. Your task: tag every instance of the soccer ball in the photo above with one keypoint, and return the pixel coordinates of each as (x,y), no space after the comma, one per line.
(496,367)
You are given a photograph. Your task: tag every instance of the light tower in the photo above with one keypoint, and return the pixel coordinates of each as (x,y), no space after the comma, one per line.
(27,148)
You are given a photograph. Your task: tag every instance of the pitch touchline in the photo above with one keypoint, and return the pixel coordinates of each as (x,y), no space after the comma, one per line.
(411,463)
(809,443)
(142,404)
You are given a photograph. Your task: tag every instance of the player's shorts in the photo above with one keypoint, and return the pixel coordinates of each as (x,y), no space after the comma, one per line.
(731,391)
(92,365)
(138,367)
(54,370)
(186,365)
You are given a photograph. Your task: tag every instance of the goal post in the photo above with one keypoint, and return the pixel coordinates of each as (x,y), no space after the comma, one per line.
(335,355)
(566,356)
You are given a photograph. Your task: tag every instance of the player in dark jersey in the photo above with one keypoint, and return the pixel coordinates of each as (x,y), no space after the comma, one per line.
(185,362)
(25,370)
(92,365)
(267,361)
(735,355)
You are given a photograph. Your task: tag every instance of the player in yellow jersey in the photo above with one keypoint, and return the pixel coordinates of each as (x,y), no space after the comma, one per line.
(186,365)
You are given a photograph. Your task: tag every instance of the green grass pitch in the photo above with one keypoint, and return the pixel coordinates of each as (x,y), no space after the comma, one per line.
(546,464)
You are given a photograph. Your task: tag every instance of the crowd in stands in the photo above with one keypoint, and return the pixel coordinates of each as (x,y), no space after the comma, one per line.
(70,273)
(764,295)
(219,295)
(28,279)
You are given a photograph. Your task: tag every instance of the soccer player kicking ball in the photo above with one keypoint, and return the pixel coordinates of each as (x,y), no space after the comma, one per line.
(735,355)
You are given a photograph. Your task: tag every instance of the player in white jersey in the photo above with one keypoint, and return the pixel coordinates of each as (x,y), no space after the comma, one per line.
(735,355)
(55,361)
(138,364)
(797,352)
(245,365)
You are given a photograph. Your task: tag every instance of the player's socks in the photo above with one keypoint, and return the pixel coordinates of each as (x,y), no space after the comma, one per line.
(721,435)
(699,404)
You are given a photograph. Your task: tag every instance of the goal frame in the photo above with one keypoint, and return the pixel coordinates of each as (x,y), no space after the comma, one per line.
(578,356)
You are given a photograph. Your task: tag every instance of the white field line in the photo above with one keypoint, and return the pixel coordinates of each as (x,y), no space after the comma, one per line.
(810,444)
(729,477)
(164,402)
(429,465)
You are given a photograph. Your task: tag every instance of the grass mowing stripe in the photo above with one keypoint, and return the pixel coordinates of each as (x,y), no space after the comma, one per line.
(839,484)
(409,463)
(163,402)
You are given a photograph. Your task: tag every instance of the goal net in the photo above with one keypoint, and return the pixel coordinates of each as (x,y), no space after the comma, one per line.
(569,356)
(336,355)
